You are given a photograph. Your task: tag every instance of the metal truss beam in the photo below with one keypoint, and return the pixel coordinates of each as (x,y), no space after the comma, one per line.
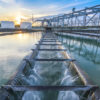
(84,17)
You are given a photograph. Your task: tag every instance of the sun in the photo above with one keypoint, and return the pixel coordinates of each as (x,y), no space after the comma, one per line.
(18,20)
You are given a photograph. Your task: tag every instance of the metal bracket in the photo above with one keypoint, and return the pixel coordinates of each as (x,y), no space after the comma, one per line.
(50,49)
(69,60)
(53,88)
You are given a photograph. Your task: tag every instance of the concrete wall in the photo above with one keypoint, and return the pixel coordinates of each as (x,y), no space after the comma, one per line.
(7,24)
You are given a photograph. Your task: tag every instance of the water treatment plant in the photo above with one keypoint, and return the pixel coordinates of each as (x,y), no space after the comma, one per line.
(56,59)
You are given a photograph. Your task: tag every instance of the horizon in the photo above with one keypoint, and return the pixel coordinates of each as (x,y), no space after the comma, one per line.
(23,10)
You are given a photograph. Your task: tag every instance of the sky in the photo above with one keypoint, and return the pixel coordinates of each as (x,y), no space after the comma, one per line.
(24,9)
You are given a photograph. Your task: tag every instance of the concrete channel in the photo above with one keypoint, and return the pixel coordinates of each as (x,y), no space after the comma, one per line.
(16,84)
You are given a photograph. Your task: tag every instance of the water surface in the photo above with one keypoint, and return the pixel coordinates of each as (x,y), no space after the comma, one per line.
(50,73)
(13,48)
(87,54)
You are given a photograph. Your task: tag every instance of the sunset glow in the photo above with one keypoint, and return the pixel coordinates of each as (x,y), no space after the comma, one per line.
(21,10)
(19,18)
(49,49)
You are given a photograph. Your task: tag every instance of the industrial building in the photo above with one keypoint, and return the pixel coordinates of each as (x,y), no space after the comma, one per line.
(7,24)
(26,25)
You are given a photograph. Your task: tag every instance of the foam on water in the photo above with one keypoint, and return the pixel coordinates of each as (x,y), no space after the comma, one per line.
(68,95)
(29,95)
(50,73)
(68,79)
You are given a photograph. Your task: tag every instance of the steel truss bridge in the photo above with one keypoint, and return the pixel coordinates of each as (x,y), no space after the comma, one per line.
(90,16)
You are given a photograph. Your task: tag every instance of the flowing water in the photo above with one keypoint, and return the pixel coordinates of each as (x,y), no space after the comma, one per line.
(87,53)
(13,48)
(50,74)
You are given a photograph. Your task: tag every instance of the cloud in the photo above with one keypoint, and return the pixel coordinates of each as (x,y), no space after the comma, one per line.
(8,9)
(53,9)
(60,8)
(25,9)
(7,1)
(13,8)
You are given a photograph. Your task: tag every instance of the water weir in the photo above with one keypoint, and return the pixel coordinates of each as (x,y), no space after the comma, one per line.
(49,74)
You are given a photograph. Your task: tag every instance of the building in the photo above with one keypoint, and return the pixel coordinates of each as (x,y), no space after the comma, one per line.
(7,24)
(26,25)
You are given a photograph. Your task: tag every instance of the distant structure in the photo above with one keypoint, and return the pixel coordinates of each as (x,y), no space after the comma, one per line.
(89,16)
(7,24)
(26,25)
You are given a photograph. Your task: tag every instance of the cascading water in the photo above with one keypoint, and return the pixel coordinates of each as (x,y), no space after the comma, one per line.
(31,96)
(68,95)
(50,73)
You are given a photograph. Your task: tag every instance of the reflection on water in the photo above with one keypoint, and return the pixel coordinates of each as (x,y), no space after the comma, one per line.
(87,54)
(13,48)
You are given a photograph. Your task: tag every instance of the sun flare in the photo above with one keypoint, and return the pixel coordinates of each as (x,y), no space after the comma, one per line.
(19,19)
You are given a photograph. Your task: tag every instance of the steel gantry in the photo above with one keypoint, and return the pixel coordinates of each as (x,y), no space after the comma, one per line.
(90,16)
